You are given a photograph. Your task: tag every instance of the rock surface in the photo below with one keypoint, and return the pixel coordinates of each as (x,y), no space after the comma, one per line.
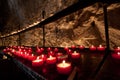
(83,27)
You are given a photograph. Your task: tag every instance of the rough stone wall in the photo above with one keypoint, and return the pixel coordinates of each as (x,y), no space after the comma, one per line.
(83,27)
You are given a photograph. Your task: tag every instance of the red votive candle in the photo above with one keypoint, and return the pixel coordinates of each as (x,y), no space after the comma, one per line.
(56,50)
(81,47)
(38,51)
(59,54)
(19,54)
(44,57)
(64,67)
(73,46)
(75,55)
(117,49)
(51,53)
(25,55)
(37,62)
(100,48)
(92,48)
(5,50)
(51,60)
(30,51)
(42,49)
(66,48)
(69,51)
(49,49)
(31,57)
(116,55)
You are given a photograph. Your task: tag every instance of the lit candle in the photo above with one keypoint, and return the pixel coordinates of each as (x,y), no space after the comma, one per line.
(100,48)
(38,51)
(42,49)
(43,57)
(69,51)
(81,47)
(56,50)
(59,54)
(51,53)
(92,48)
(116,55)
(13,51)
(19,54)
(5,50)
(49,49)
(75,55)
(64,68)
(26,55)
(66,48)
(51,60)
(30,51)
(37,62)
(117,49)
(73,46)
(31,57)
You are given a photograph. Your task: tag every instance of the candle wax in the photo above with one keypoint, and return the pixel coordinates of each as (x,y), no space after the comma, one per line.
(116,55)
(31,57)
(92,48)
(66,48)
(64,68)
(73,46)
(100,48)
(117,49)
(81,47)
(75,55)
(37,62)
(43,57)
(51,60)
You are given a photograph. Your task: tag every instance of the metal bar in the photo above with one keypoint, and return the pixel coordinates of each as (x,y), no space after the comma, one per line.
(43,16)
(79,5)
(32,75)
(43,36)
(107,40)
(29,72)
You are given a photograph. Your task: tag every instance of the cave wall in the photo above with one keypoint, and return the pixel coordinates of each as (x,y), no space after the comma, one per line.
(83,27)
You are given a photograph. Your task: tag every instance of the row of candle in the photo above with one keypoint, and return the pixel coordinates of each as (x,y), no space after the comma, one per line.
(52,58)
(60,58)
(92,47)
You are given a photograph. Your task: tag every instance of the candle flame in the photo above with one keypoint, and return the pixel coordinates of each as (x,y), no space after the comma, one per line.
(100,45)
(38,57)
(13,50)
(75,52)
(21,52)
(63,62)
(92,46)
(42,55)
(25,52)
(50,56)
(118,47)
(32,54)
(118,53)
